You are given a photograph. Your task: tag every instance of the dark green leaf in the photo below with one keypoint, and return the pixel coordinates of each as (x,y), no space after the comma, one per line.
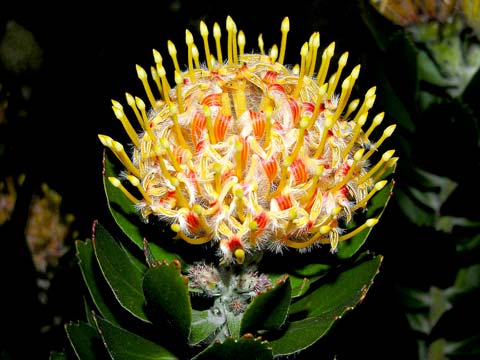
(468,244)
(464,349)
(310,270)
(124,345)
(301,277)
(124,278)
(88,313)
(414,213)
(413,298)
(428,70)
(127,216)
(299,284)
(468,279)
(447,223)
(57,356)
(458,322)
(312,315)
(97,287)
(85,341)
(241,349)
(376,207)
(268,310)
(203,325)
(440,188)
(168,301)
(419,322)
(140,265)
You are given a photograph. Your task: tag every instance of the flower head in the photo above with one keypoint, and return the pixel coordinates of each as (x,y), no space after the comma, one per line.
(411,12)
(248,153)
(448,56)
(47,229)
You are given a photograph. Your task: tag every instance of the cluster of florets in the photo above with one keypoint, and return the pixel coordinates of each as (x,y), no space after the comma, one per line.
(250,154)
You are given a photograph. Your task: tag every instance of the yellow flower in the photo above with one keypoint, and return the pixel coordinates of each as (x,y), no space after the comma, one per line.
(248,153)
(411,12)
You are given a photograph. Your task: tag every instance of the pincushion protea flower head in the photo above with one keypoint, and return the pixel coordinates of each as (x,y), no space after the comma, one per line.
(248,153)
(412,12)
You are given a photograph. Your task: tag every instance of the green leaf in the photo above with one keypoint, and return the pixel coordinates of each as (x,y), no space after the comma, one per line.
(54,355)
(419,322)
(168,301)
(88,313)
(85,341)
(464,349)
(124,345)
(466,245)
(313,269)
(203,325)
(238,349)
(140,265)
(468,279)
(413,298)
(124,278)
(233,324)
(127,216)
(299,285)
(376,207)
(447,223)
(412,211)
(268,310)
(429,71)
(441,188)
(97,287)
(311,316)
(457,321)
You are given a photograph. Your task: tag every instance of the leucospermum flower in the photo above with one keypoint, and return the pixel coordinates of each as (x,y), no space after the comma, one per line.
(447,55)
(412,12)
(248,153)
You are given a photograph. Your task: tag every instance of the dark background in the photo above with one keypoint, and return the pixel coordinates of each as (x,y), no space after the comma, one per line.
(89,56)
